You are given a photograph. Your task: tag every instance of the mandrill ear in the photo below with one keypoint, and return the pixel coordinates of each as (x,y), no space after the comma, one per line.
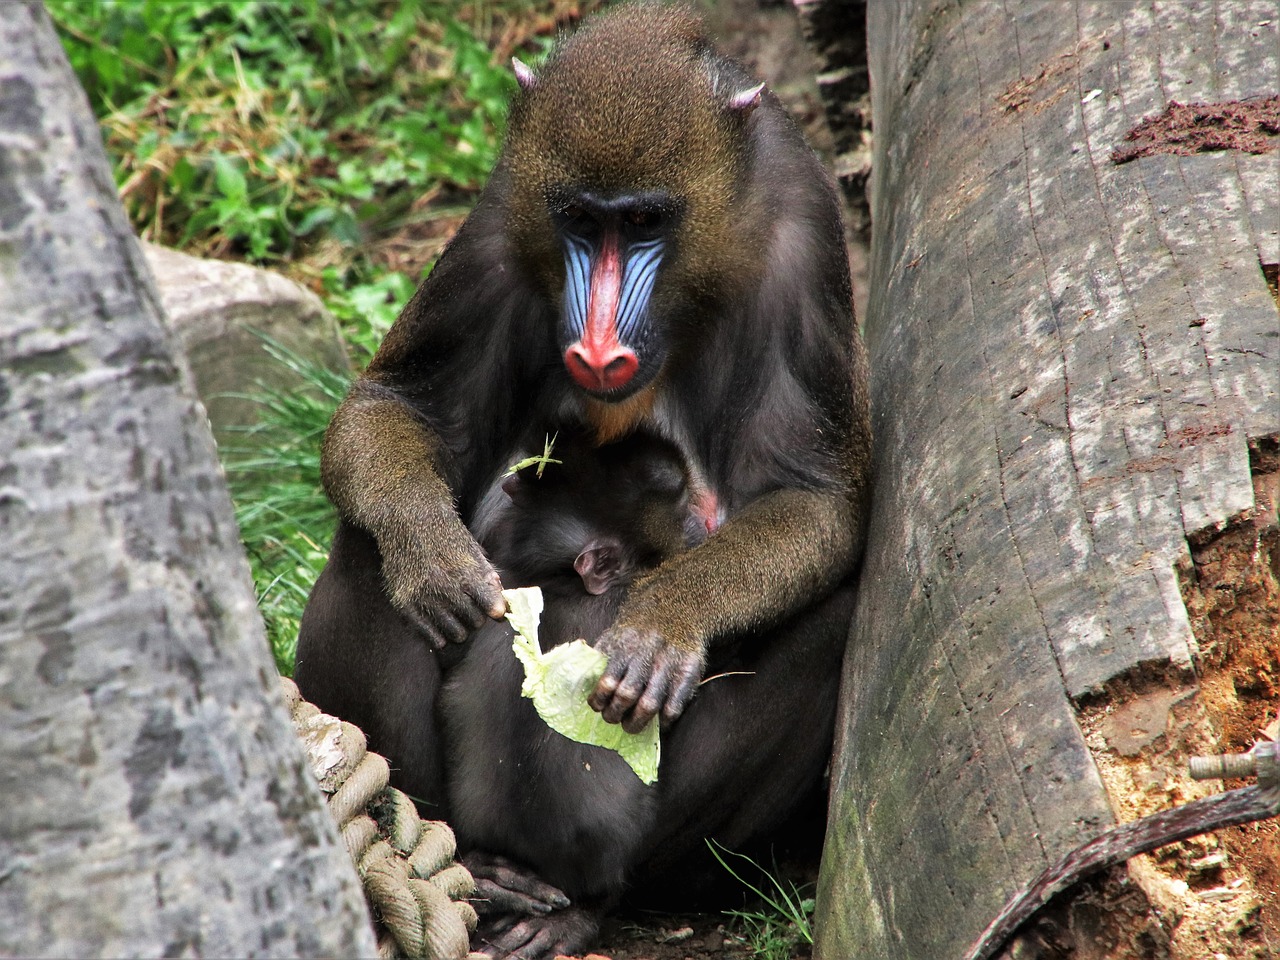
(745,101)
(524,74)
(601,566)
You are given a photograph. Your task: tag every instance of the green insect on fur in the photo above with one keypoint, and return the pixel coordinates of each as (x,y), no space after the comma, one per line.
(541,459)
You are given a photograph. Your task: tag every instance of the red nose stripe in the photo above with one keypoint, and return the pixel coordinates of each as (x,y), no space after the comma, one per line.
(599,361)
(602,299)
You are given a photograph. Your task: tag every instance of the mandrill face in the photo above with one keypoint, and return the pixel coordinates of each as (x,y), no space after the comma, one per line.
(614,247)
(624,166)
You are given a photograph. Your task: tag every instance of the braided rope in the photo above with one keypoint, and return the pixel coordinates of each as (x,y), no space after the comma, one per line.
(417,892)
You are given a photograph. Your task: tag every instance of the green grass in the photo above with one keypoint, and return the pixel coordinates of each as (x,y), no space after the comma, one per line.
(259,129)
(781,923)
(366,310)
(286,522)
(338,141)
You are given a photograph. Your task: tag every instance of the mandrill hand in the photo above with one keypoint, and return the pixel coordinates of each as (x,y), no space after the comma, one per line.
(504,888)
(441,581)
(646,676)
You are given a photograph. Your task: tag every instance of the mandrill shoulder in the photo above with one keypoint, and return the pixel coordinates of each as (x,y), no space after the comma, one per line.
(478,309)
(477,285)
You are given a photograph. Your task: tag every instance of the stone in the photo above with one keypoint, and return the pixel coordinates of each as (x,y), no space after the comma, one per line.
(217,308)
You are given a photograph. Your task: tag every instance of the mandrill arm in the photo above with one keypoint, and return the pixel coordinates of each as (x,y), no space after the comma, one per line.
(381,468)
(768,561)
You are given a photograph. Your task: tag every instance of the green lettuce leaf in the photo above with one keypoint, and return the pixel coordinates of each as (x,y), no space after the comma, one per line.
(559,681)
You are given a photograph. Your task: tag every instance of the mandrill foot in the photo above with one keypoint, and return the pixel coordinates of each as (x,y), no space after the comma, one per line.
(566,932)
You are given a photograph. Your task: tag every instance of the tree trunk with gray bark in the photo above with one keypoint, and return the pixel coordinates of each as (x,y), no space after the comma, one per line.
(154,798)
(1076,361)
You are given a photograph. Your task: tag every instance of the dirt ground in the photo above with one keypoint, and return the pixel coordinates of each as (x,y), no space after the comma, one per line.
(699,936)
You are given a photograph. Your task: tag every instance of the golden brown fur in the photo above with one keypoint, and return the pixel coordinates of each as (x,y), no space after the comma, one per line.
(613,421)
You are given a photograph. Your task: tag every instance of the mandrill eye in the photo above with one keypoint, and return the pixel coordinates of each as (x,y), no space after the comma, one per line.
(644,223)
(574,218)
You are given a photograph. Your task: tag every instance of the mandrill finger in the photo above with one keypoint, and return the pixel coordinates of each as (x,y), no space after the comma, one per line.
(487,595)
(473,614)
(683,687)
(650,702)
(529,939)
(543,943)
(451,627)
(491,897)
(565,932)
(528,885)
(628,693)
(429,630)
(602,695)
(543,937)
(508,887)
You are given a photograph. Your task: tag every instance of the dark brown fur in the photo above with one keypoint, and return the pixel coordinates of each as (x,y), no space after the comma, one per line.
(752,368)
(572,814)
(575,816)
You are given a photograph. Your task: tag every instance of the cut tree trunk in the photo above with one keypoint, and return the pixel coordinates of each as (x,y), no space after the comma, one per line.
(1076,368)
(154,800)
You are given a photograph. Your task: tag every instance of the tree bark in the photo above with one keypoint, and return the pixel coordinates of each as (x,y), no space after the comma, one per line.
(1071,357)
(836,29)
(155,799)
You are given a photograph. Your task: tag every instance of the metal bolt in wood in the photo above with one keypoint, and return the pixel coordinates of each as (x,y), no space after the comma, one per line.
(1262,761)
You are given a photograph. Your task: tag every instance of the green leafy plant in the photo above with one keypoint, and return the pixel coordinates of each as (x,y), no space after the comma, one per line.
(782,922)
(366,309)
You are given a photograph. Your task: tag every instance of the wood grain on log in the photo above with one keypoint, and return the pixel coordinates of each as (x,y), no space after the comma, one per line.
(1070,359)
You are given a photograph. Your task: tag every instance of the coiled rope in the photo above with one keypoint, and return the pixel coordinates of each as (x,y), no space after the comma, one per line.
(415,889)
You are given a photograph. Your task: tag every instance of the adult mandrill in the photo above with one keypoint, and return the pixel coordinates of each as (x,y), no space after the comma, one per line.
(659,249)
